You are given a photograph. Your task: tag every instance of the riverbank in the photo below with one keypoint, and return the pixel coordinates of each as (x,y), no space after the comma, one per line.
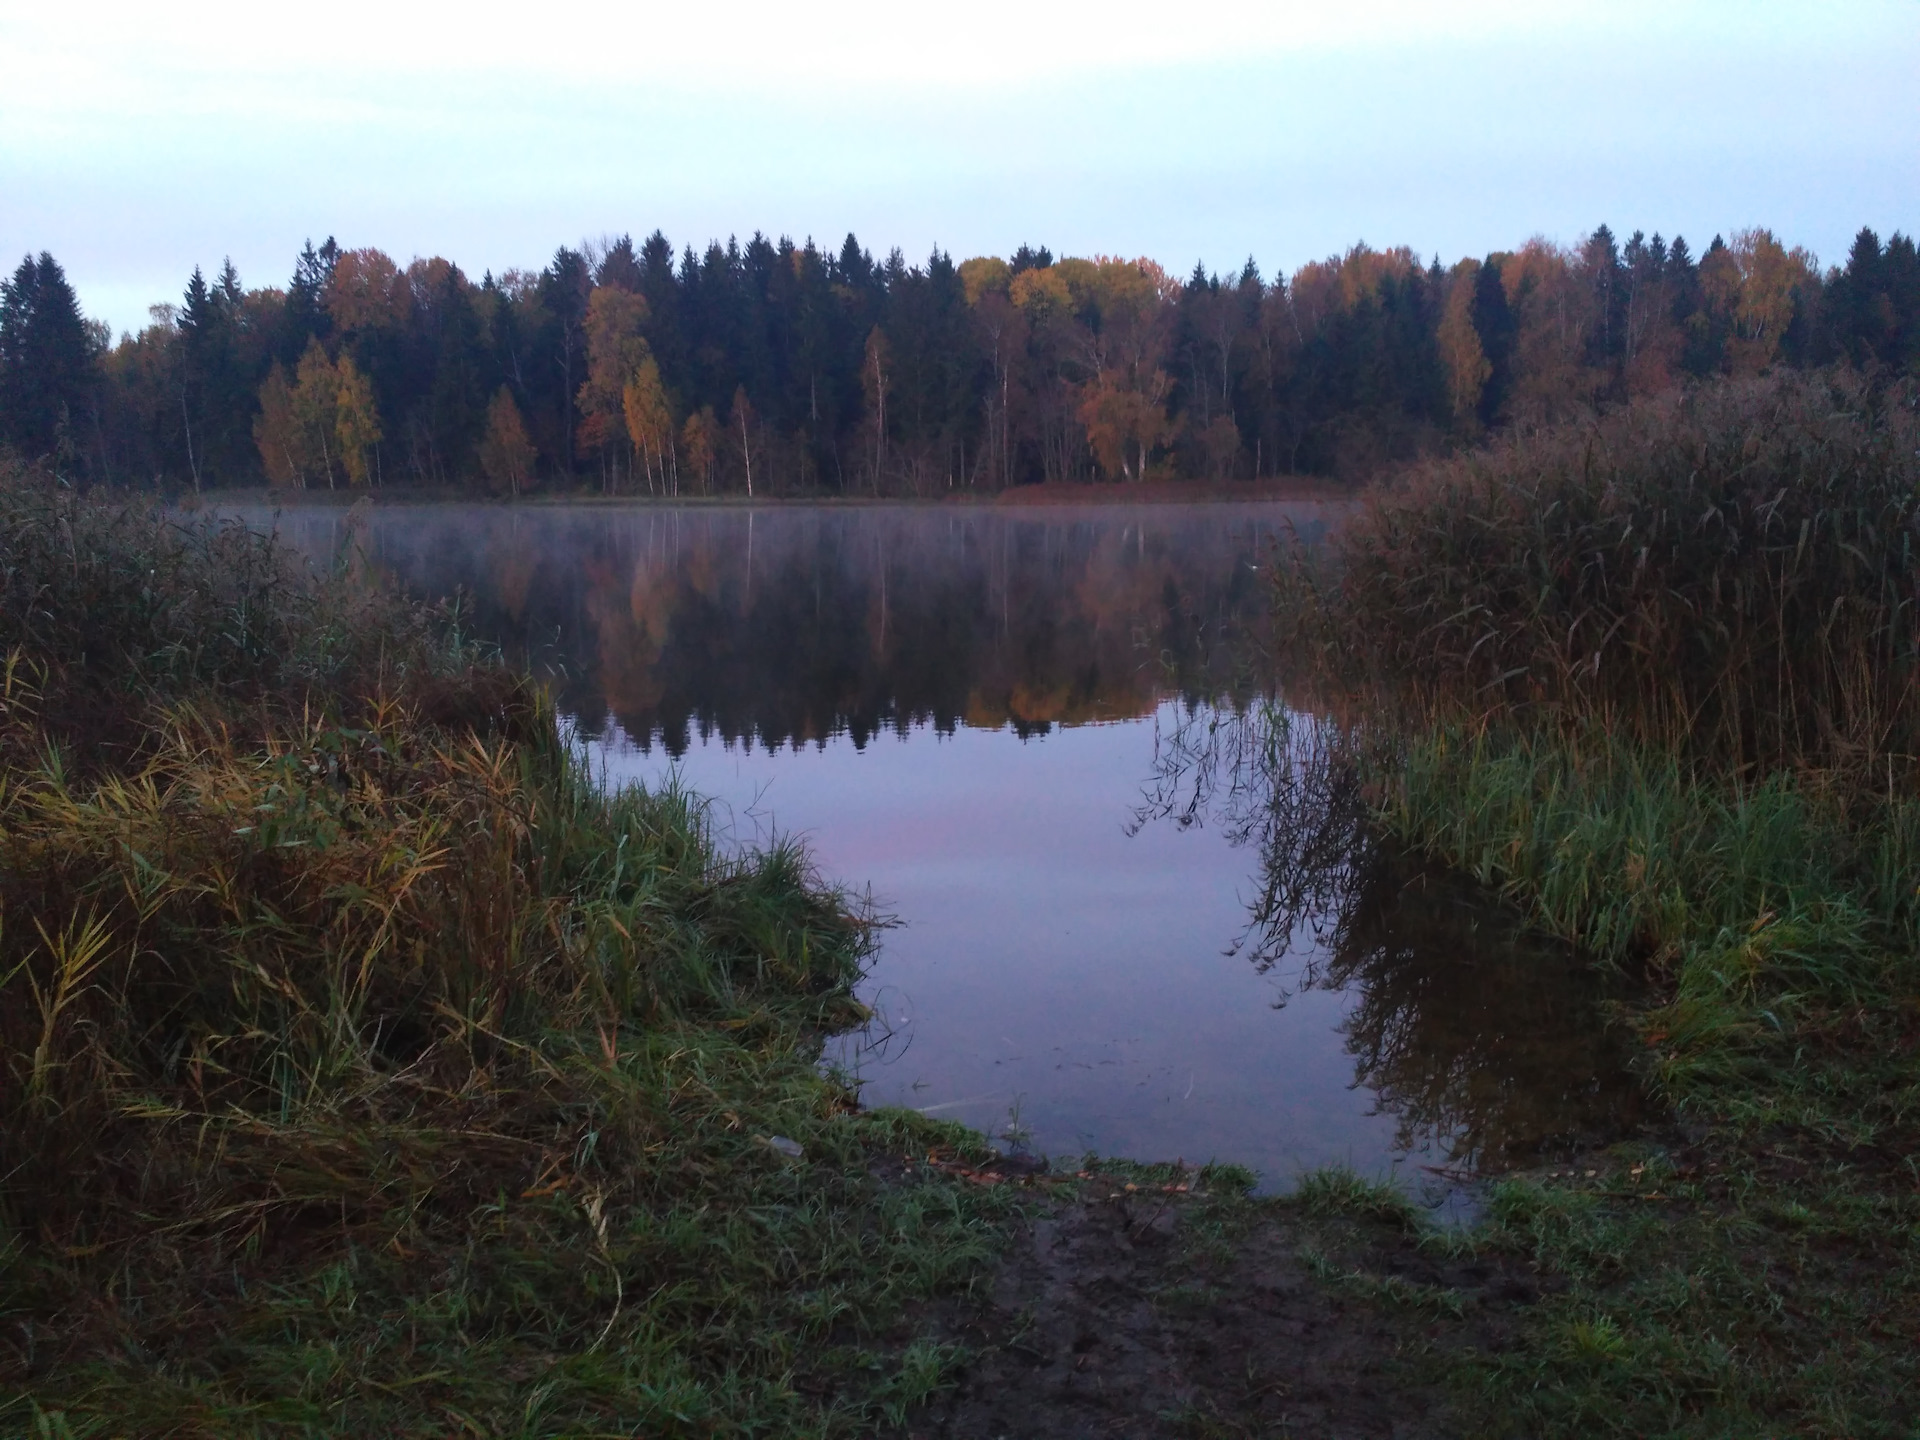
(1655,680)
(368,1070)
(1155,492)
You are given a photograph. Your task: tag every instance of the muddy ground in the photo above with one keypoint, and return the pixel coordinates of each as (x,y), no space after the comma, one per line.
(1153,1306)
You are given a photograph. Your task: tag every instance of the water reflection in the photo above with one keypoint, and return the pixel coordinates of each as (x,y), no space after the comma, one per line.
(794,624)
(1472,1031)
(1142,913)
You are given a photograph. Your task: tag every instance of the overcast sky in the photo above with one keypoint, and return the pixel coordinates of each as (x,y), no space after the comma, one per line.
(137,140)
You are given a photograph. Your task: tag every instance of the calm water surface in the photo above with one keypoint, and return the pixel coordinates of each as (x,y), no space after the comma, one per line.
(1134,917)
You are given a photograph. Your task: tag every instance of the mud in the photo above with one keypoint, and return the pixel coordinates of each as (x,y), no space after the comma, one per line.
(1141,1311)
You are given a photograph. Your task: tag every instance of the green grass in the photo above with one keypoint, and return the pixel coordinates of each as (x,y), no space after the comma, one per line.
(1775,919)
(1759,1273)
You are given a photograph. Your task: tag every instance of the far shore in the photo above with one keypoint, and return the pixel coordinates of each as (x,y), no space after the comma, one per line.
(1152,492)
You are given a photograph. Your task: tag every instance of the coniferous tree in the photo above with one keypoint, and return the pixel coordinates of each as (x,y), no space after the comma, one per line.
(1493,322)
(48,368)
(305,314)
(565,287)
(217,388)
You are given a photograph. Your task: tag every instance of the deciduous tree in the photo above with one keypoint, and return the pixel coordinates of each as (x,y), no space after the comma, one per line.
(506,453)
(356,422)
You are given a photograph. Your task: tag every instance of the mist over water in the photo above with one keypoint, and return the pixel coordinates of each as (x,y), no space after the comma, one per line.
(1137,910)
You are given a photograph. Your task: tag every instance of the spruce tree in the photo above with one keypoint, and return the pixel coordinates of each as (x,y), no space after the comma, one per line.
(48,369)
(1494,323)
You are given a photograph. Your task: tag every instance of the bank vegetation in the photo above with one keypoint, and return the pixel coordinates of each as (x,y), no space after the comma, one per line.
(1654,676)
(367,1068)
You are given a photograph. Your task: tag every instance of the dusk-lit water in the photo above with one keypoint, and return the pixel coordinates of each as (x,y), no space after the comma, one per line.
(994,720)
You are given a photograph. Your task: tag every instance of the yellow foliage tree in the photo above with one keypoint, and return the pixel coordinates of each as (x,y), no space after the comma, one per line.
(650,423)
(298,428)
(1041,294)
(316,408)
(1462,355)
(984,275)
(356,422)
(1752,282)
(506,454)
(276,432)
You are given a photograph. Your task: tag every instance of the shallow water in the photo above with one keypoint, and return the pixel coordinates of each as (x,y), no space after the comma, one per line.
(1036,737)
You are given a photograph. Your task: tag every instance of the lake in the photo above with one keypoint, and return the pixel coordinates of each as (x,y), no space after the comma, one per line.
(1134,913)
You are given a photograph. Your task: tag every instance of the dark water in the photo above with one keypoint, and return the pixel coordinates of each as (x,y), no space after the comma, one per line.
(1139,913)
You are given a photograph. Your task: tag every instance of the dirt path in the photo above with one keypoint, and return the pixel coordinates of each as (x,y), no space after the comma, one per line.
(1140,1311)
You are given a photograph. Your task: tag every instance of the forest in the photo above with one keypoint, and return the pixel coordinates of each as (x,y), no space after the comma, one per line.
(771,368)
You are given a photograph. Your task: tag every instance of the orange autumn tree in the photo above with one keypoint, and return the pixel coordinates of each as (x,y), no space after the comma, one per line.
(1462,356)
(1124,403)
(700,442)
(368,292)
(506,453)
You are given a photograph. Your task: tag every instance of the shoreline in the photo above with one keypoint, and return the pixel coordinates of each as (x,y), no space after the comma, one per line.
(1020,497)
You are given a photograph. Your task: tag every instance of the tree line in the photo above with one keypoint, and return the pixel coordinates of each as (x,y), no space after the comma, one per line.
(775,368)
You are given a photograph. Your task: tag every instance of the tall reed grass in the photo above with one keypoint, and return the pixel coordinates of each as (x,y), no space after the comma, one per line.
(1729,573)
(1656,675)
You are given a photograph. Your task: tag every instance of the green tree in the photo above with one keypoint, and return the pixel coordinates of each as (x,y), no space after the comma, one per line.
(49,371)
(1494,323)
(217,386)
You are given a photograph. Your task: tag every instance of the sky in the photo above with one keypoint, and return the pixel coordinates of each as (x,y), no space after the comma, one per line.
(137,141)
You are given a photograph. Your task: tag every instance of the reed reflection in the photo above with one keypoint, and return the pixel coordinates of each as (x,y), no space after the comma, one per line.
(1475,1033)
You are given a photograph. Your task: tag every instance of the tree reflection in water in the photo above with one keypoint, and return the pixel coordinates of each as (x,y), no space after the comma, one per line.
(1474,1032)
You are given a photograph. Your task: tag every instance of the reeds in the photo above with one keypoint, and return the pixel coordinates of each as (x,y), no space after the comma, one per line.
(1655,676)
(1730,574)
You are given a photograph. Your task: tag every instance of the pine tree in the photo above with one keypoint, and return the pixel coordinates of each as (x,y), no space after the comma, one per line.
(1494,323)
(1857,302)
(305,315)
(217,396)
(49,371)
